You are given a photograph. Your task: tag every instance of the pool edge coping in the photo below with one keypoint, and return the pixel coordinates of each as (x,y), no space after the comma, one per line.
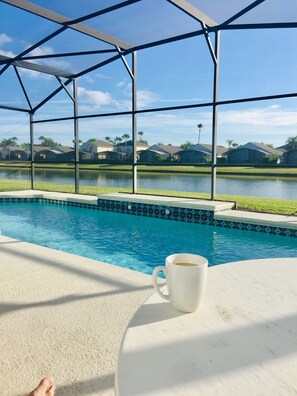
(223,215)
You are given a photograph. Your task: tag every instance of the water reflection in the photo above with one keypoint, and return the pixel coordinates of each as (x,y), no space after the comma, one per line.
(285,188)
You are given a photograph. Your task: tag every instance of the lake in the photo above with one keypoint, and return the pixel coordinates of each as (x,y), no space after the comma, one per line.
(275,187)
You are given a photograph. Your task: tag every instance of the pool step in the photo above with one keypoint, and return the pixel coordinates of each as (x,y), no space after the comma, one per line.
(213,206)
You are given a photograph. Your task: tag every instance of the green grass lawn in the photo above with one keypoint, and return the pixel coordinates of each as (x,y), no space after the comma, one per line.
(199,169)
(265,205)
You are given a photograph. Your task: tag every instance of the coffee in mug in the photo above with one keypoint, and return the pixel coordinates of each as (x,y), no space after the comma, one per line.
(186,276)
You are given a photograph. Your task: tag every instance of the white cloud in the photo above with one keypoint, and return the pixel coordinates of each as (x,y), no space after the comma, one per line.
(54,63)
(96,99)
(4,39)
(40,51)
(103,76)
(87,79)
(260,117)
(122,84)
(7,53)
(146,98)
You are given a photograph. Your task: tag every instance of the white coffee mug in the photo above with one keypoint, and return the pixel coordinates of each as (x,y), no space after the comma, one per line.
(186,276)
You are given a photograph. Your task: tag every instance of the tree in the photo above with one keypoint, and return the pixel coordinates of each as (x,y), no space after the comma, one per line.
(80,142)
(292,143)
(108,139)
(231,144)
(48,142)
(117,140)
(200,126)
(140,133)
(271,145)
(126,137)
(187,145)
(9,142)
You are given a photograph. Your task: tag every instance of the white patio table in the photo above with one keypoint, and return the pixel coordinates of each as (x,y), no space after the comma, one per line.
(241,341)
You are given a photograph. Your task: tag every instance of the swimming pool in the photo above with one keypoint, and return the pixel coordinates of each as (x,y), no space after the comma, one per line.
(138,243)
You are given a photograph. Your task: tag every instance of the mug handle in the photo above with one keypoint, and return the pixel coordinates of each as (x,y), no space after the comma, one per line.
(155,281)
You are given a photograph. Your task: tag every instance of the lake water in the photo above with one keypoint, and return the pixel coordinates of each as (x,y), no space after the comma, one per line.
(285,188)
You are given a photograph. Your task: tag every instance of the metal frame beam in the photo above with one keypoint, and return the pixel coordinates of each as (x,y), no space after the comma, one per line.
(125,63)
(76,135)
(68,54)
(208,42)
(34,67)
(22,86)
(54,93)
(36,45)
(242,12)
(134,121)
(193,12)
(182,107)
(65,88)
(5,107)
(32,152)
(215,117)
(62,20)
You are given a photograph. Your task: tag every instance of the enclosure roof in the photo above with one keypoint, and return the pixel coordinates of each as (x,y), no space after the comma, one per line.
(114,28)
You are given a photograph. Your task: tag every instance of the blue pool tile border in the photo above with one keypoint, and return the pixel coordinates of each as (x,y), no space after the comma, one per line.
(188,215)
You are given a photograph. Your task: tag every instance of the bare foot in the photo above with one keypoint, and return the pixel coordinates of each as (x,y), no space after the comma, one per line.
(46,387)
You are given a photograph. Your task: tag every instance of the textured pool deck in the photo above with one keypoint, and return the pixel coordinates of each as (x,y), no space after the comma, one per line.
(66,315)
(62,315)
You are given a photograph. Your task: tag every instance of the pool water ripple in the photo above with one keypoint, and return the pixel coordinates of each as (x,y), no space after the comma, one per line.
(138,243)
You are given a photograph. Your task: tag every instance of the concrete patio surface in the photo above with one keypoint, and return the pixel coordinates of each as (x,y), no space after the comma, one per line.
(62,315)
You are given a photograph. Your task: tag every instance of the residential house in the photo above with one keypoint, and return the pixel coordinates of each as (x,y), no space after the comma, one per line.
(64,153)
(112,156)
(37,150)
(14,153)
(252,153)
(289,157)
(46,154)
(127,147)
(159,152)
(201,153)
(70,156)
(96,146)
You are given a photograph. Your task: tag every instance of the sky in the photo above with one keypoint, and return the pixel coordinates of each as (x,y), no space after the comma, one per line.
(252,63)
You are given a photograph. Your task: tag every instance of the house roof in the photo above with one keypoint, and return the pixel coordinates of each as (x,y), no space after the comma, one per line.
(63,149)
(260,147)
(165,148)
(130,143)
(14,148)
(207,148)
(153,151)
(38,148)
(102,143)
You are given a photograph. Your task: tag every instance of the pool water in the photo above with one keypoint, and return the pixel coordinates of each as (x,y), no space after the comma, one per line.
(138,243)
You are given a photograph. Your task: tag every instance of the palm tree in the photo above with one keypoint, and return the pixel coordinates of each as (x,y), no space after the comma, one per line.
(108,139)
(126,137)
(187,145)
(117,139)
(231,143)
(9,142)
(292,143)
(200,126)
(140,133)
